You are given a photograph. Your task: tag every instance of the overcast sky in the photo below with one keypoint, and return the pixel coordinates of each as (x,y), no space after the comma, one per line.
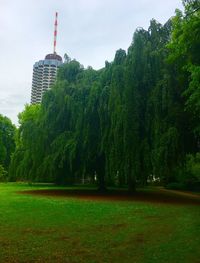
(88,30)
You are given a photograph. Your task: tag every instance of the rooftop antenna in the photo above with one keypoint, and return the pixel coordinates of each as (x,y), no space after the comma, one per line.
(55,33)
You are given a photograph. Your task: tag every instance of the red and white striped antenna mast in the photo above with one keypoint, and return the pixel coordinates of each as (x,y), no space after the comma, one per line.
(55,33)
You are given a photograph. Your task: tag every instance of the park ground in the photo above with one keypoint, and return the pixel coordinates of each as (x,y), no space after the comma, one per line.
(42,223)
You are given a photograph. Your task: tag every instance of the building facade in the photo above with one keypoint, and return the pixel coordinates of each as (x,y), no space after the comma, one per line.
(44,76)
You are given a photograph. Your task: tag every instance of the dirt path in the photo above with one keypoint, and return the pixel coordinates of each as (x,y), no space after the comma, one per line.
(158,196)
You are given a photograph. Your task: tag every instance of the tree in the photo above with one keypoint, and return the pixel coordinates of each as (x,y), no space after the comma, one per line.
(24,157)
(67,59)
(7,141)
(185,55)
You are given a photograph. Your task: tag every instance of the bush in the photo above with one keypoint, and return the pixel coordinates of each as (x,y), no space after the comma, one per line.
(192,178)
(187,177)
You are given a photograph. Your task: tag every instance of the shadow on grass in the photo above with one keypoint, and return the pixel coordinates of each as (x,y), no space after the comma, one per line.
(157,196)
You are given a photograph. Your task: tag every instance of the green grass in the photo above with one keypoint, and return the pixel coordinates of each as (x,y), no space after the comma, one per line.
(48,229)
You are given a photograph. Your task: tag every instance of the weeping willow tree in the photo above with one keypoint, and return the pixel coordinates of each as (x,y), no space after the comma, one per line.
(134,119)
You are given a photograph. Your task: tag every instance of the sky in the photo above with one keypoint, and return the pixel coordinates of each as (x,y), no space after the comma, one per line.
(88,30)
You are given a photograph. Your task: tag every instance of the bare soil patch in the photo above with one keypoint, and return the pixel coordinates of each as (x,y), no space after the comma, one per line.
(157,196)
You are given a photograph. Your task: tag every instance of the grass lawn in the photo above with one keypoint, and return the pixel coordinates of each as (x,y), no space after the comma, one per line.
(42,228)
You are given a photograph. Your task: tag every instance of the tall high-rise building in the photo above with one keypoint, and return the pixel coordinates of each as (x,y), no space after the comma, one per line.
(44,76)
(45,72)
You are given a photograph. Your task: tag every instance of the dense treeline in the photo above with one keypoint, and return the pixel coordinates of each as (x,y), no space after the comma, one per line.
(135,120)
(7,145)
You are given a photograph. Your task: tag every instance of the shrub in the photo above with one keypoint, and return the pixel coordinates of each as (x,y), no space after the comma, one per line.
(192,178)
(187,177)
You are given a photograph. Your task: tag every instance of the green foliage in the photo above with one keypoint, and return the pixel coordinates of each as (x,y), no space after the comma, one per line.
(187,177)
(7,141)
(3,174)
(26,137)
(193,165)
(134,119)
(185,55)
(192,178)
(7,145)
(192,93)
